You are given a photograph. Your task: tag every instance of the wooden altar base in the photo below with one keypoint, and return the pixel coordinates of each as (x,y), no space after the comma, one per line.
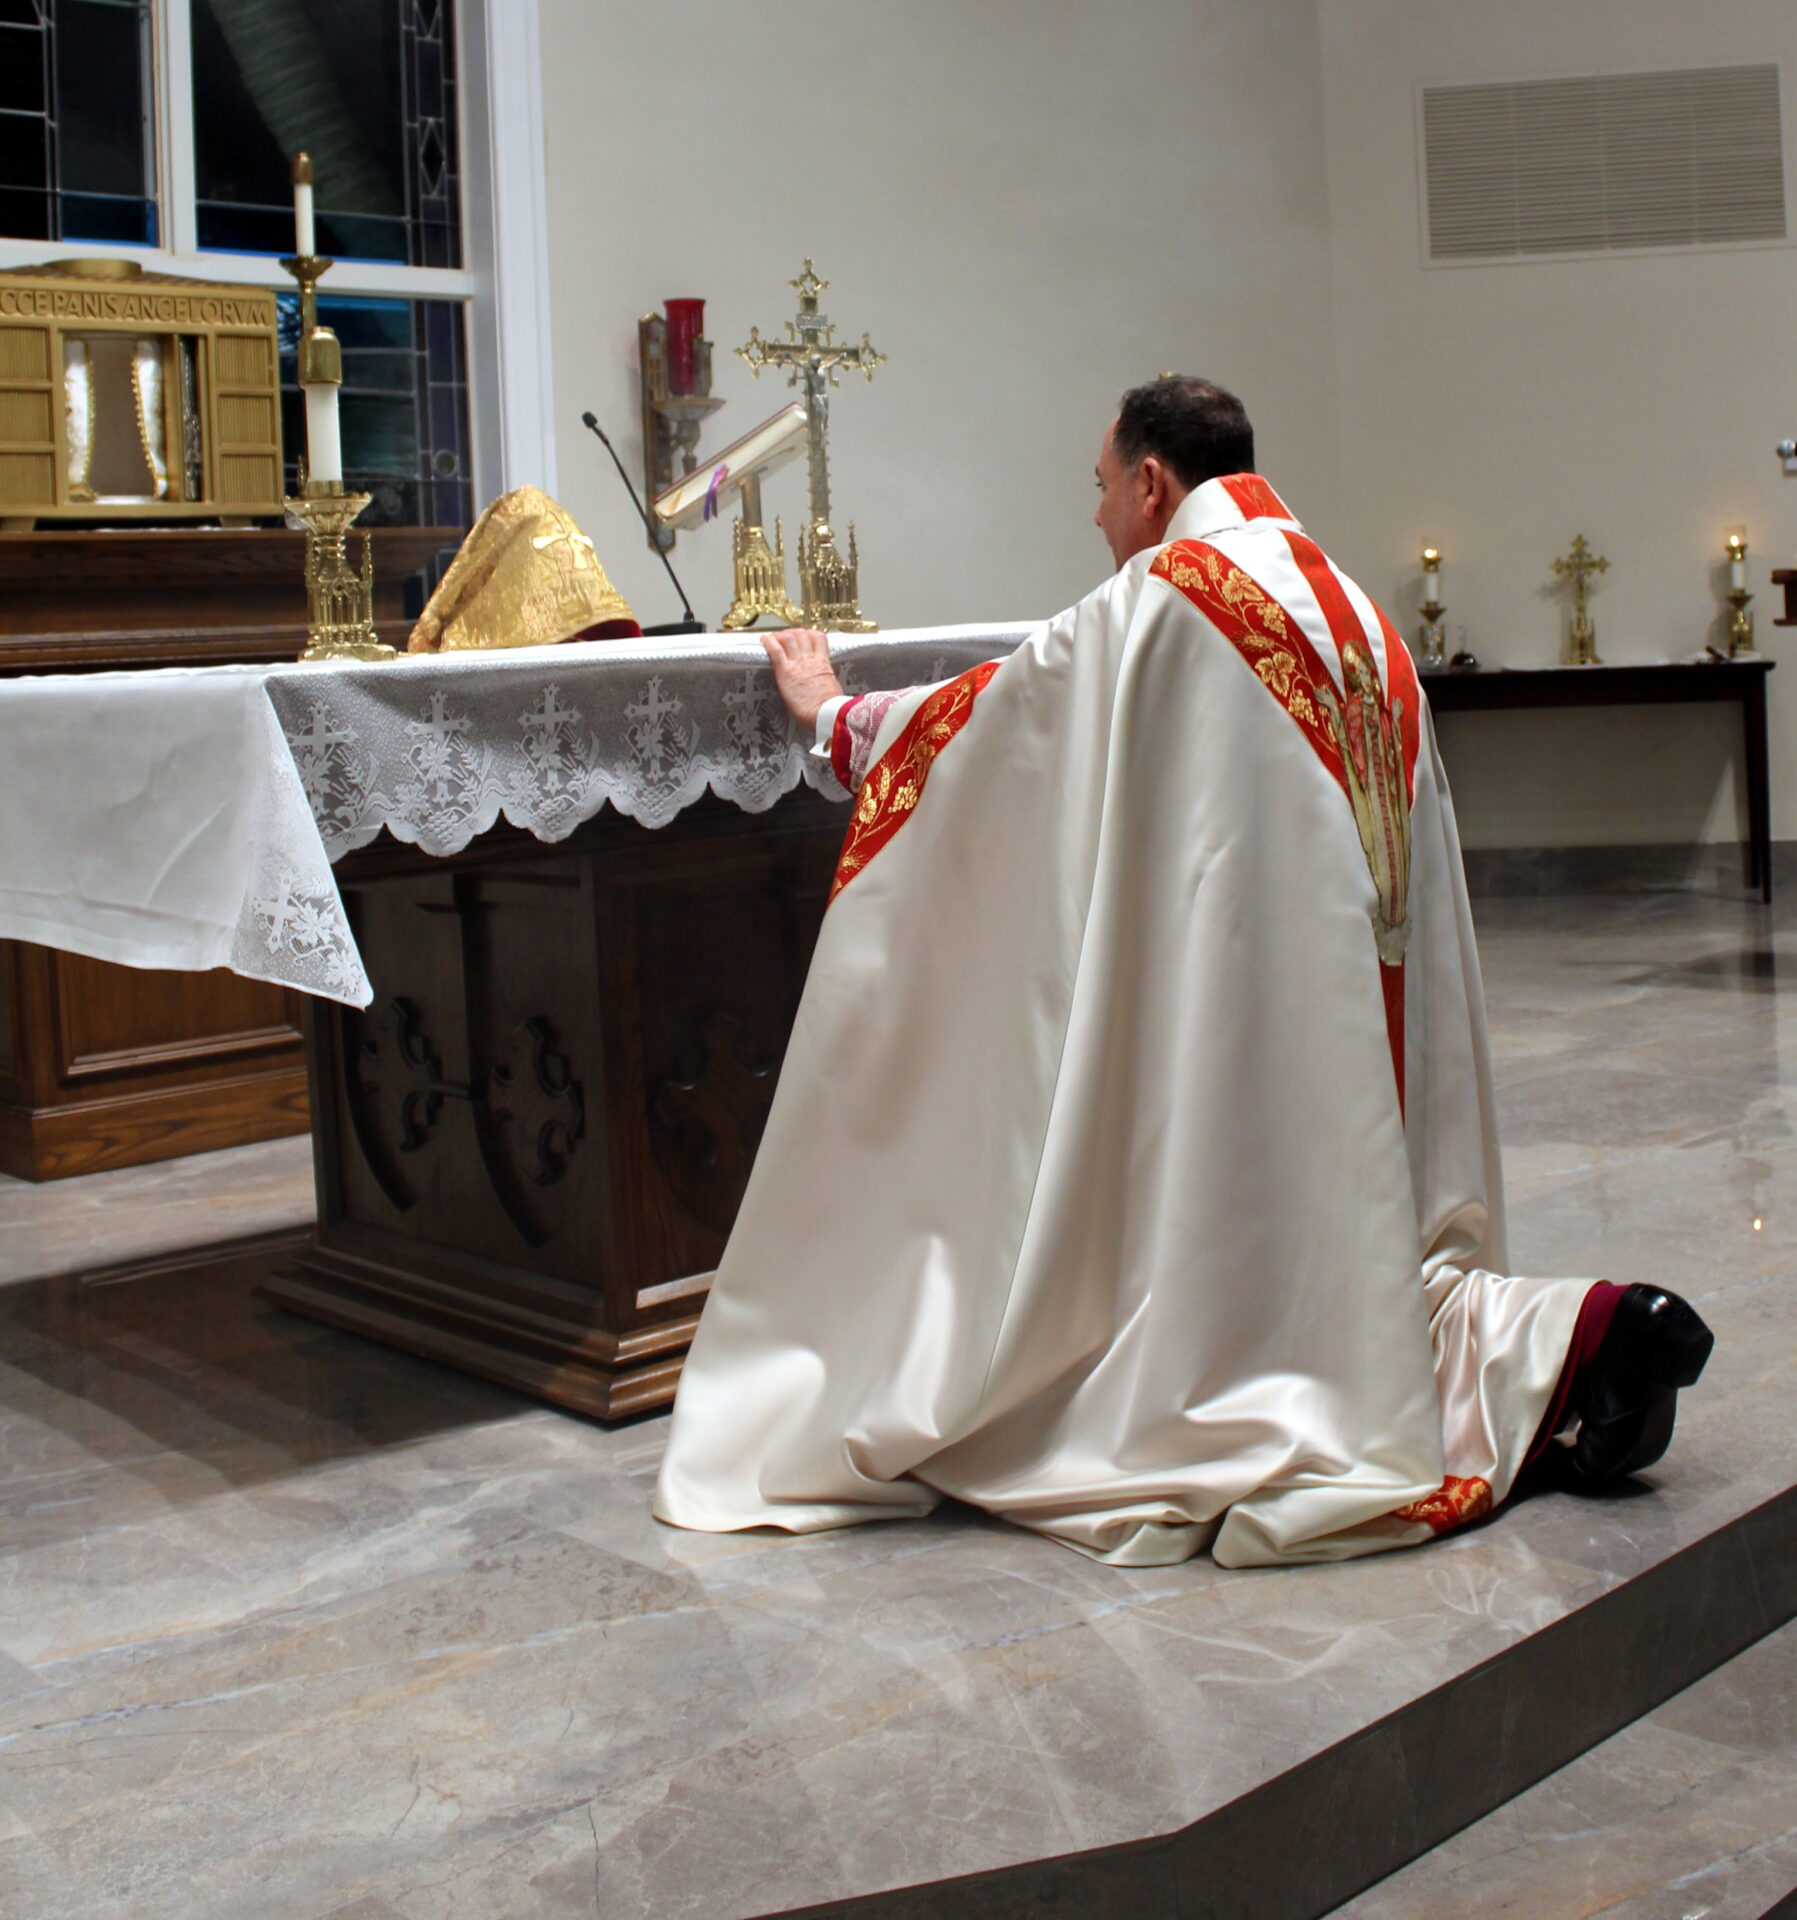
(531,1147)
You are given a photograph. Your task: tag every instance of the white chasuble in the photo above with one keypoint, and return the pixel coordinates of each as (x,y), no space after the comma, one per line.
(1132,1173)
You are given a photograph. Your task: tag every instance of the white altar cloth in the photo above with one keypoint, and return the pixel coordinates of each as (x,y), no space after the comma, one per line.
(188,817)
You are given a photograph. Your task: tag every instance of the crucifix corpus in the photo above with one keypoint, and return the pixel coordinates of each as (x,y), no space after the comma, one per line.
(813,358)
(1579,565)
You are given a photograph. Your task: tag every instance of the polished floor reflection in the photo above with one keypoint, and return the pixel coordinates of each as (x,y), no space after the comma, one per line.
(294,1626)
(1689,1814)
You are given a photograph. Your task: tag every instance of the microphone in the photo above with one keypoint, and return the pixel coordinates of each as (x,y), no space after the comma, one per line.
(692,623)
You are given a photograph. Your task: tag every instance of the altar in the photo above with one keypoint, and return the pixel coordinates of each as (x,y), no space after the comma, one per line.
(553,909)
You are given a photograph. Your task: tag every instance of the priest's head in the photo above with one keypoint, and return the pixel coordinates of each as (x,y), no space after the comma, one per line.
(1169,436)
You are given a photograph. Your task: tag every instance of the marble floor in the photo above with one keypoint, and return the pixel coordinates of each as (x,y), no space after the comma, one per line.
(292,1626)
(1689,1814)
(140,1215)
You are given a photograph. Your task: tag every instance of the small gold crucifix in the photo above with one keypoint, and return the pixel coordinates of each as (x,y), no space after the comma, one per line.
(812,356)
(1580,563)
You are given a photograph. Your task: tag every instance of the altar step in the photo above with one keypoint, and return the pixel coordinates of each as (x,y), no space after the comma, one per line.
(1691,1810)
(1687,1617)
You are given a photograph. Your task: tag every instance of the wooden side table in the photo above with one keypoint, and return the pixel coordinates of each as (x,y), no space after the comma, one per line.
(1674,682)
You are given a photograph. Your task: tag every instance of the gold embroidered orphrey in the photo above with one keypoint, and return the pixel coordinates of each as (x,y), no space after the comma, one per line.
(895,781)
(1373,772)
(1356,735)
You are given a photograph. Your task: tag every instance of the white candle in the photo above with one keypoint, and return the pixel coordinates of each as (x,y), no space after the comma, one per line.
(305,239)
(1737,564)
(1431,575)
(324,443)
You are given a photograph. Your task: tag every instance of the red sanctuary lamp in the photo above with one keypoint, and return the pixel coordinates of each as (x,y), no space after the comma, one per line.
(674,361)
(686,323)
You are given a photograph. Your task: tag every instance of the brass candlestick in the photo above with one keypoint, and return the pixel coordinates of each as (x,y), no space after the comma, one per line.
(760,569)
(1433,636)
(339,598)
(1579,564)
(1740,621)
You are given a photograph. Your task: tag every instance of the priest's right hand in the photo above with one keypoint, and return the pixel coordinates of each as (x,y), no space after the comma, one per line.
(802,672)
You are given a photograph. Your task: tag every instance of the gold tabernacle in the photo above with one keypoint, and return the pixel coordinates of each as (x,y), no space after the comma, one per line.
(127,395)
(829,585)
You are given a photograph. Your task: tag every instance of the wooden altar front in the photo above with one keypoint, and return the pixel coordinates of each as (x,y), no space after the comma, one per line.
(531,1146)
(108,1066)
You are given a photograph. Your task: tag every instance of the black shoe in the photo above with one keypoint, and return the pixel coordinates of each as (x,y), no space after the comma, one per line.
(1627,1398)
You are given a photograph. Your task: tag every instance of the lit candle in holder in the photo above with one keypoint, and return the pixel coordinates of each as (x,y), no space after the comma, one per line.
(1737,561)
(1432,575)
(321,374)
(324,440)
(305,239)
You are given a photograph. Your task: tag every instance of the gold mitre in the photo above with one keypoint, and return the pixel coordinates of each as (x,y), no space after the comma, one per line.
(526,576)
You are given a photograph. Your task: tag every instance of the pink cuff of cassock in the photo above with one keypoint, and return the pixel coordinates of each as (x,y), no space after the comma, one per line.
(842,745)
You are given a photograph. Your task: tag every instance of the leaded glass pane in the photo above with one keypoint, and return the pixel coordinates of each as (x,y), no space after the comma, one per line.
(404,406)
(76,121)
(366,87)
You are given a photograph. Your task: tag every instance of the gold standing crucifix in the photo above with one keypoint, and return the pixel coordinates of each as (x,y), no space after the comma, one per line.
(1580,564)
(813,358)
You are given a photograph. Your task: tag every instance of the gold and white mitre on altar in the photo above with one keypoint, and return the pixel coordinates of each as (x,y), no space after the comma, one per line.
(526,576)
(1132,1173)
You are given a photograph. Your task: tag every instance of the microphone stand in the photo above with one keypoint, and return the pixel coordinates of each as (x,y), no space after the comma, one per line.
(692,623)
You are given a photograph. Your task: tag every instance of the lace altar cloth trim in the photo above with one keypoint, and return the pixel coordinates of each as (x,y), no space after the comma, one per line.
(437,750)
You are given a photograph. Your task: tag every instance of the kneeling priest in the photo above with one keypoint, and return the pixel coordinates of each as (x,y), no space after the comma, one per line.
(1132,1173)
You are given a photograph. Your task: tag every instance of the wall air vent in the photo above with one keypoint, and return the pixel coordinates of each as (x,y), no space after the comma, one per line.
(1600,164)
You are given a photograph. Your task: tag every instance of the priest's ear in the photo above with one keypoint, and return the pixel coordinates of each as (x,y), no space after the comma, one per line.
(1157,490)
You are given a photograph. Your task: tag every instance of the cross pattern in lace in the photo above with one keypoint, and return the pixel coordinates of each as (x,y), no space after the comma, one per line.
(663,748)
(755,722)
(453,790)
(559,783)
(337,774)
(303,933)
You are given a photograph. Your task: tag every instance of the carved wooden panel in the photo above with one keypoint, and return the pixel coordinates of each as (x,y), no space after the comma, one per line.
(112,1020)
(533,1144)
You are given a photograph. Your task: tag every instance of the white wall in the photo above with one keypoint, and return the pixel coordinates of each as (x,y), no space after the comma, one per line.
(1500,409)
(1028,206)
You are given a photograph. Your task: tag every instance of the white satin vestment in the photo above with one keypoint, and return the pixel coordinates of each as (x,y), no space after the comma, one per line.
(1087,1195)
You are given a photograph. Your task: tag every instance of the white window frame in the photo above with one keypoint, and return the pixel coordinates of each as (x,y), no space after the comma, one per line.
(504,281)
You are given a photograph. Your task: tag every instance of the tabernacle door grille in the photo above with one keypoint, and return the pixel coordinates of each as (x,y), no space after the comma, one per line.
(1603,163)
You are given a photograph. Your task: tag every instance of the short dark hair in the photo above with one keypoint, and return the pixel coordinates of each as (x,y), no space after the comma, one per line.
(1197,429)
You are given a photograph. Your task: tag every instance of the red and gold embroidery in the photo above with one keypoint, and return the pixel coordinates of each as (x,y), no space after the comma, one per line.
(1262,632)
(1365,735)
(895,781)
(1457,1502)
(1256,499)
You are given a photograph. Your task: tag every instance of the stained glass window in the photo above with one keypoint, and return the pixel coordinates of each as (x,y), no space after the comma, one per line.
(404,406)
(76,121)
(367,87)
